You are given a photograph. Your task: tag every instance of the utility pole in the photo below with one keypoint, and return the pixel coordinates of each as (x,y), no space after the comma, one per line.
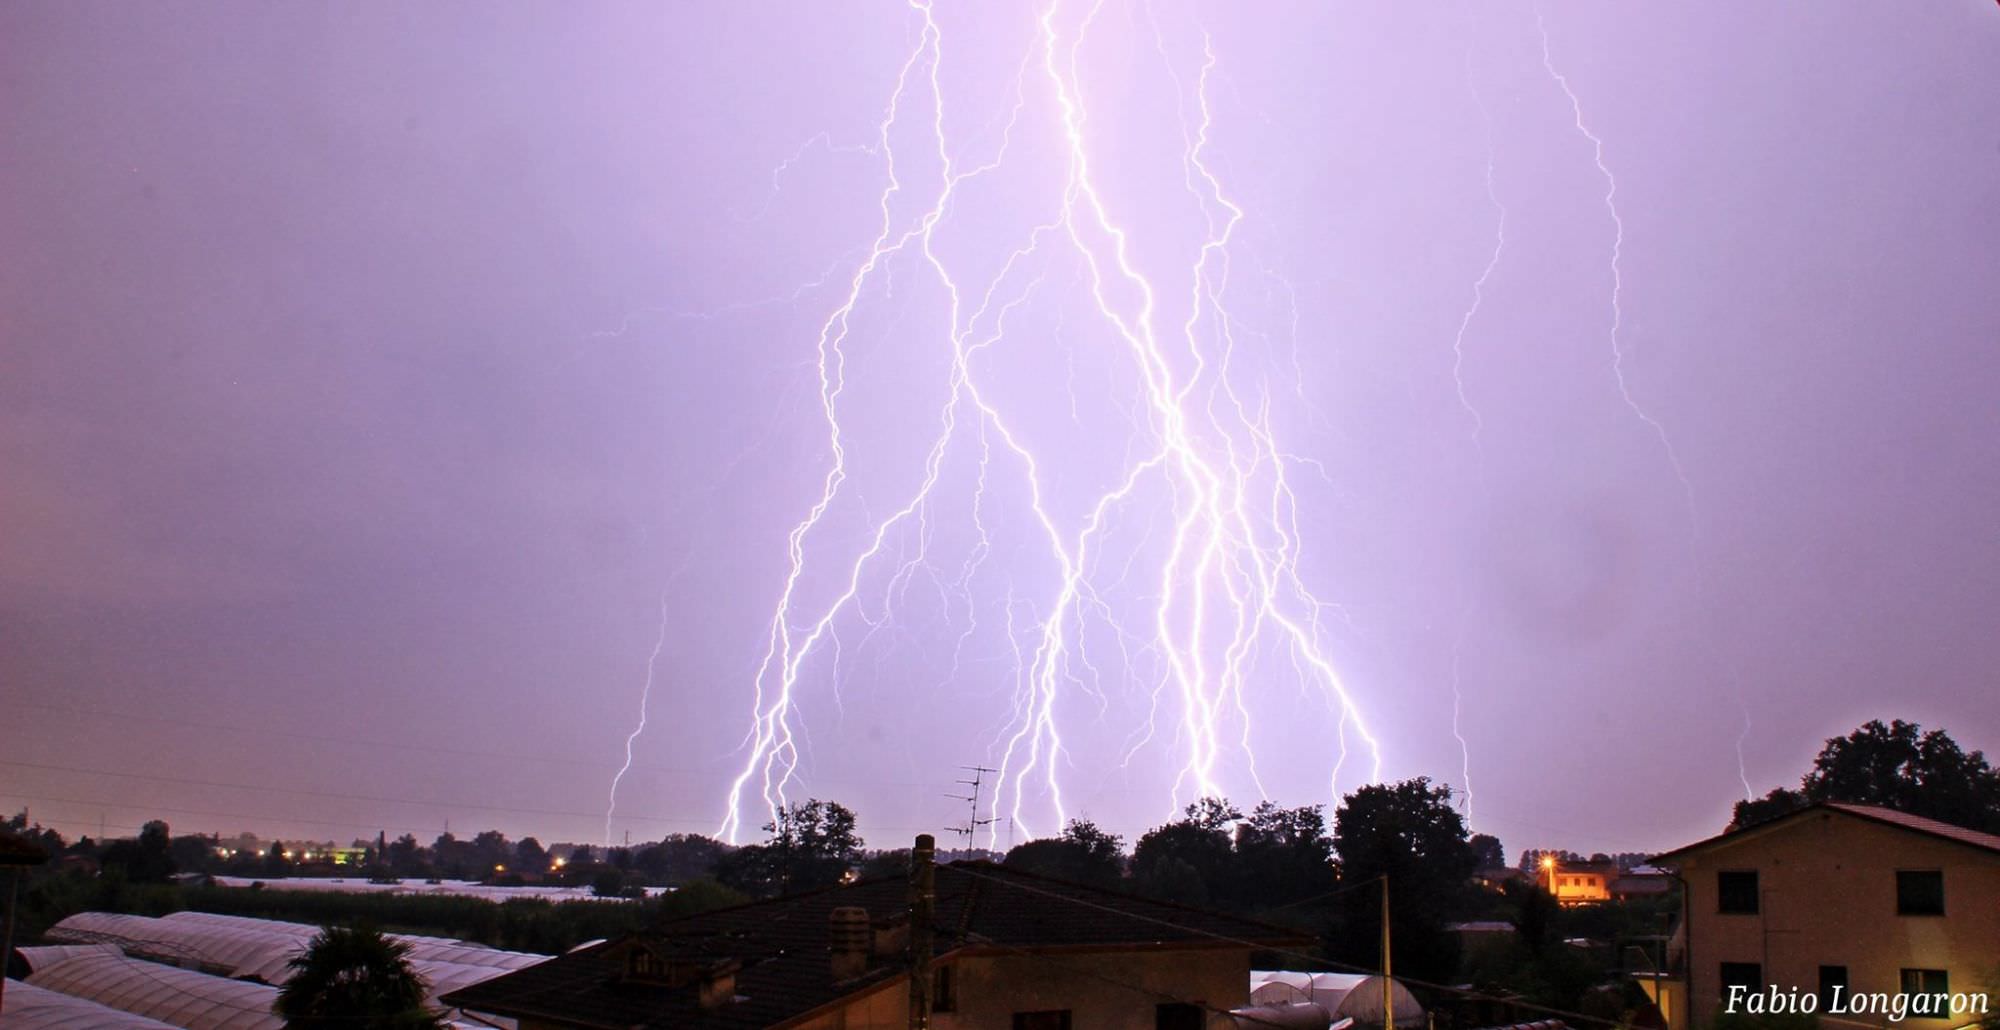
(972,821)
(923,898)
(1388,981)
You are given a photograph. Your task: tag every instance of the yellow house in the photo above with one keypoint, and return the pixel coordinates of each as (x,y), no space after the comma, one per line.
(1579,883)
(1861,916)
(1010,951)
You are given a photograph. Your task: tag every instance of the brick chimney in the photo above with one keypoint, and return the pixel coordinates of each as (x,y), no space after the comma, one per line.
(849,940)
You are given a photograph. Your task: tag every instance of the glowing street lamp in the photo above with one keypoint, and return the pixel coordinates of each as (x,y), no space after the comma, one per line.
(1549,863)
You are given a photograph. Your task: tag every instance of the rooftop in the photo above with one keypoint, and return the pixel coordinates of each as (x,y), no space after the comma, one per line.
(1873,813)
(782,948)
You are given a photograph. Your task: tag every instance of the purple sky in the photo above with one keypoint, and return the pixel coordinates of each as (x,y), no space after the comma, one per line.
(367,373)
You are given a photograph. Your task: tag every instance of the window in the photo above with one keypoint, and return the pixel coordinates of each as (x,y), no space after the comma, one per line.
(1748,975)
(1933,982)
(1919,892)
(944,990)
(1736,892)
(1054,1019)
(1830,979)
(1179,1016)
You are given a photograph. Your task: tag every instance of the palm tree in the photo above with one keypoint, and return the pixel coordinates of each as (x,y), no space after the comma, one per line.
(354,978)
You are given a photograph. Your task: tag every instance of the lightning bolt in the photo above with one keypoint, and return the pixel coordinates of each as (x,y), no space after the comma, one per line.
(1222,584)
(1492,262)
(1457,701)
(1617,268)
(645,706)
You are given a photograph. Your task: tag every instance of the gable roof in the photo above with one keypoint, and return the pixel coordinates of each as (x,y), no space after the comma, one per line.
(1873,813)
(782,945)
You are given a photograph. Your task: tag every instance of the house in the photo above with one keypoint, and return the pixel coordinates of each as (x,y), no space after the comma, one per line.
(1579,883)
(1009,951)
(1640,882)
(1856,914)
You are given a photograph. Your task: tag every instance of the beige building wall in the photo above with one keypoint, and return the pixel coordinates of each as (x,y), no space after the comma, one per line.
(1107,990)
(1827,886)
(1101,989)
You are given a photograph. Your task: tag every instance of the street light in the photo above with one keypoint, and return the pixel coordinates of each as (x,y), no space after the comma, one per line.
(1549,863)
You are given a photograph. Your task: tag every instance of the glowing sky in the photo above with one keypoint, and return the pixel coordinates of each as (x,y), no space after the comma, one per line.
(376,378)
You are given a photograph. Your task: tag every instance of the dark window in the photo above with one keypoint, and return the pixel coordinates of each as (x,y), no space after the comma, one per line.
(1748,975)
(1919,892)
(1831,977)
(1736,893)
(944,991)
(1179,1016)
(1056,1019)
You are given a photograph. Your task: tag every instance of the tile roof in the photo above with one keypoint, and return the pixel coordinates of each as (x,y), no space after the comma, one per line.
(782,945)
(1874,813)
(1988,841)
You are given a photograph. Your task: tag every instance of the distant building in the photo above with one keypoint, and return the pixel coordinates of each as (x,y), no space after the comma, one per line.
(1850,908)
(1010,950)
(1641,882)
(1580,883)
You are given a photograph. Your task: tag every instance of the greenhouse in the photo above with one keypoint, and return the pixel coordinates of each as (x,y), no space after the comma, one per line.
(37,1008)
(179,997)
(237,950)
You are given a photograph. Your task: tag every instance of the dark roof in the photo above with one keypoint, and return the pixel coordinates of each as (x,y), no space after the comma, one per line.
(1873,813)
(782,945)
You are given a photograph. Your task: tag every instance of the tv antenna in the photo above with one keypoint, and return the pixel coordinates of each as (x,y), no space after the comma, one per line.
(972,820)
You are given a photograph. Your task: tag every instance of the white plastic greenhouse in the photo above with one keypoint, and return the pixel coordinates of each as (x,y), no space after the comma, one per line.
(245,949)
(180,997)
(37,1008)
(242,947)
(422,948)
(35,957)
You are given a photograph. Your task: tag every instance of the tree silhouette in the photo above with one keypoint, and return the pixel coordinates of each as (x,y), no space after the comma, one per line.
(1083,854)
(354,978)
(1411,833)
(1896,766)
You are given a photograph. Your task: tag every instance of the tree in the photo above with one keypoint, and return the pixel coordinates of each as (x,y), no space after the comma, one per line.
(1411,833)
(1897,766)
(811,845)
(1487,852)
(1283,856)
(406,857)
(149,859)
(1194,848)
(677,859)
(354,977)
(1083,854)
(530,857)
(276,862)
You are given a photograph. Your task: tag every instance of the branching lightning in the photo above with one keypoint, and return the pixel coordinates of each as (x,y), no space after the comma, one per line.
(1202,515)
(1617,269)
